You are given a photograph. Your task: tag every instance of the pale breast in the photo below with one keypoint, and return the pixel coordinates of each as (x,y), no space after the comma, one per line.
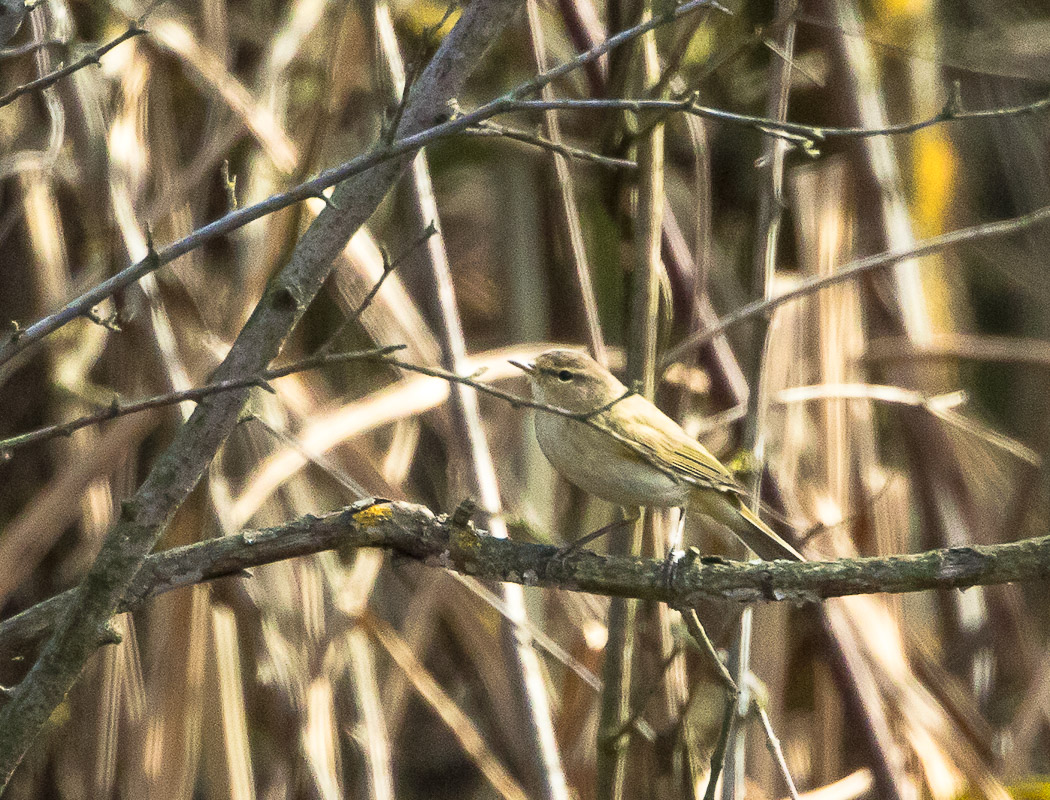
(600,465)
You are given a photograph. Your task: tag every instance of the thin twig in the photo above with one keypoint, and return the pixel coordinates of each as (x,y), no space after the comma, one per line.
(799,132)
(383,354)
(696,629)
(388,269)
(621,38)
(986,230)
(32,46)
(426,39)
(707,647)
(771,198)
(718,755)
(45,81)
(119,409)
(777,751)
(587,417)
(492,129)
(565,188)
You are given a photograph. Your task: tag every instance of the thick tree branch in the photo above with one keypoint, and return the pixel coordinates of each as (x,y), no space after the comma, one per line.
(82,628)
(414,532)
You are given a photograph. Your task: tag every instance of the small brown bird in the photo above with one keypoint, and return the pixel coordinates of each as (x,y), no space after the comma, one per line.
(640,457)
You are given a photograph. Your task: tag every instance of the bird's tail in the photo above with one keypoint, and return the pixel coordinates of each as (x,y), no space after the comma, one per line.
(752,531)
(762,539)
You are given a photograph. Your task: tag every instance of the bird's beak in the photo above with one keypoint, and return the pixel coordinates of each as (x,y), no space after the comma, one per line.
(526,366)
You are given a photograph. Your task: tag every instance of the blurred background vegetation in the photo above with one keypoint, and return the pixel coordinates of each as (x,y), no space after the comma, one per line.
(357,676)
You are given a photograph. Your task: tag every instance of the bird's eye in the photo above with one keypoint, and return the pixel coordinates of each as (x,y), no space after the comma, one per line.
(565,376)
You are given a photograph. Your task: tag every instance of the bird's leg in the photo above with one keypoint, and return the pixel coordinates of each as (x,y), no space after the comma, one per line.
(595,535)
(673,553)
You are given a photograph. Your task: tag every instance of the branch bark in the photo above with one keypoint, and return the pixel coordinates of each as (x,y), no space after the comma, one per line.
(413,532)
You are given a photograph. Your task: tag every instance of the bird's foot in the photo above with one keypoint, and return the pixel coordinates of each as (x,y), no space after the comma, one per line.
(593,536)
(670,566)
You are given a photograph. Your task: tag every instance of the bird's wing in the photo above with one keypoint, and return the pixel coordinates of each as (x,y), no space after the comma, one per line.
(665,445)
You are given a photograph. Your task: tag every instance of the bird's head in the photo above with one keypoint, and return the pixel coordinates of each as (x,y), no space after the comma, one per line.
(571,380)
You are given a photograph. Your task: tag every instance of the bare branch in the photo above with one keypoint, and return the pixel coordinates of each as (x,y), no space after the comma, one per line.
(388,268)
(463,123)
(987,230)
(492,129)
(797,132)
(118,409)
(44,81)
(414,532)
(315,187)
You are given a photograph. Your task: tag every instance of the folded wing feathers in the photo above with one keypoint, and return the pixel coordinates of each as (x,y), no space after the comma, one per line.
(668,448)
